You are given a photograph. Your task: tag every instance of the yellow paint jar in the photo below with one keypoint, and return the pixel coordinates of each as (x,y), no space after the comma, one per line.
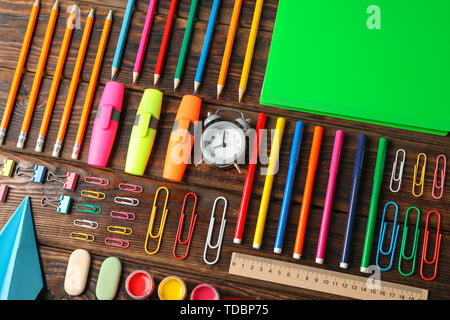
(172,288)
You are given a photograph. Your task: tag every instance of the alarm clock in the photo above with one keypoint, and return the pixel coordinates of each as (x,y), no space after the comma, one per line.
(223,142)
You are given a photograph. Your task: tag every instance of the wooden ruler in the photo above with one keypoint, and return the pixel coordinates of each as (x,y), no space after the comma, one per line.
(321,280)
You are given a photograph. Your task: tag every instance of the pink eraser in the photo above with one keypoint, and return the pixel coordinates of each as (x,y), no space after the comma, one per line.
(106,124)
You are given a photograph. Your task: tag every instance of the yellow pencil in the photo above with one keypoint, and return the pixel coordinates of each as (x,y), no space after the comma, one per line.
(56,80)
(250,48)
(271,172)
(19,69)
(38,76)
(73,84)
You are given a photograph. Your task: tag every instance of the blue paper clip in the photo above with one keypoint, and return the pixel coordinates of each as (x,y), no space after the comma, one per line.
(395,230)
(62,206)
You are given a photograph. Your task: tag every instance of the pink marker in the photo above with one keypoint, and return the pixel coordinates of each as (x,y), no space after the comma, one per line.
(144,40)
(106,124)
(334,167)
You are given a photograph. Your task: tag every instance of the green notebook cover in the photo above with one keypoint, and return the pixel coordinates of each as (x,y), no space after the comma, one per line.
(385,62)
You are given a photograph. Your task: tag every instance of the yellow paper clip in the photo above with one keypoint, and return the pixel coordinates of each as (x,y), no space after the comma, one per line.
(82,236)
(93,194)
(422,176)
(121,230)
(152,219)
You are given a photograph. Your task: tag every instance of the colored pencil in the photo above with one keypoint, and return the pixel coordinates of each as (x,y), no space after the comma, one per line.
(250,49)
(122,38)
(271,171)
(373,209)
(92,85)
(260,124)
(228,47)
(328,205)
(144,40)
(19,69)
(307,192)
(206,45)
(73,84)
(56,80)
(38,75)
(185,45)
(295,151)
(165,41)
(353,200)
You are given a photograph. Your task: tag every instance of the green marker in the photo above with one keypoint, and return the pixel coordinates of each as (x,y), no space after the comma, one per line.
(377,181)
(144,132)
(185,45)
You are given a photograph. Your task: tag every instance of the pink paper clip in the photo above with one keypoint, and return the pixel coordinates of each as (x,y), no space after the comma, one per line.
(130,187)
(116,242)
(436,185)
(123,215)
(3,192)
(97,181)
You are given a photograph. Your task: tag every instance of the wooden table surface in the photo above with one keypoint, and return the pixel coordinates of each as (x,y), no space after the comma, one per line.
(53,229)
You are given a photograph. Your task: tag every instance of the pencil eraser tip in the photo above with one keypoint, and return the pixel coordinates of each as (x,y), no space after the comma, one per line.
(364,270)
(319,260)
(296,256)
(343,265)
(256,246)
(237,241)
(277,250)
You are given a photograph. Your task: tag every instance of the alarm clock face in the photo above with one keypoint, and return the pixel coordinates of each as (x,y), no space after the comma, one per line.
(222,143)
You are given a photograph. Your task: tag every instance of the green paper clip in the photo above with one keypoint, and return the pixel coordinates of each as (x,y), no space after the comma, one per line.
(89,208)
(416,242)
(7,168)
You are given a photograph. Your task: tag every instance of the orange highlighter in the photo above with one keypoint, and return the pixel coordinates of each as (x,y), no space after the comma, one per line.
(312,166)
(181,139)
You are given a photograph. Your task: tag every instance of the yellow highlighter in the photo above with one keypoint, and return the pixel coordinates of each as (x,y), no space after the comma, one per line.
(271,171)
(144,132)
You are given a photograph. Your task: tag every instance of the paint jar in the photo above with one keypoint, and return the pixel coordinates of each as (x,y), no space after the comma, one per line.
(205,291)
(139,284)
(172,288)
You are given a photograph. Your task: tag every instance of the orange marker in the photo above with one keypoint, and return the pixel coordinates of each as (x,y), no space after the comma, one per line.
(92,85)
(312,166)
(73,84)
(19,69)
(55,82)
(38,76)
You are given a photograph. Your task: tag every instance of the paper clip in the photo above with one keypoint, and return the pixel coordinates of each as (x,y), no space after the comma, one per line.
(123,215)
(218,245)
(121,230)
(131,187)
(180,227)
(89,208)
(397,176)
(436,185)
(62,206)
(415,245)
(3,192)
(69,181)
(393,243)
(422,176)
(97,181)
(93,194)
(116,242)
(7,168)
(85,223)
(152,219)
(82,236)
(437,247)
(38,173)
(127,201)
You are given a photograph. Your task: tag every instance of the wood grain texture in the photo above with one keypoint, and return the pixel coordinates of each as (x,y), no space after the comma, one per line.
(53,229)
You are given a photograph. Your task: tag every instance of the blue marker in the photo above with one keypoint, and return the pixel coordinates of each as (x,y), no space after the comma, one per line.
(206,45)
(295,151)
(122,38)
(353,200)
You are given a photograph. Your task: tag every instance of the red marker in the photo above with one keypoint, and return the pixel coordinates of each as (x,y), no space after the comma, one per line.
(260,124)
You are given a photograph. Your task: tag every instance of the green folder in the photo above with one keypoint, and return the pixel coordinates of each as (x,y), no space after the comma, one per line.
(385,62)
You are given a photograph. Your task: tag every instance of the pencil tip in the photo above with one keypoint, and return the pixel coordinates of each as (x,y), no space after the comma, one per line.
(241,94)
(196,86)
(155,79)
(135,77)
(110,14)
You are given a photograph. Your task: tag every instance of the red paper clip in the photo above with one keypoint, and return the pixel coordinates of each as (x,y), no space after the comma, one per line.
(437,247)
(131,187)
(3,192)
(180,227)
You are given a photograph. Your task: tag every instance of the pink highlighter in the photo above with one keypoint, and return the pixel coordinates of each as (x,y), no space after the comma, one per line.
(334,167)
(106,124)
